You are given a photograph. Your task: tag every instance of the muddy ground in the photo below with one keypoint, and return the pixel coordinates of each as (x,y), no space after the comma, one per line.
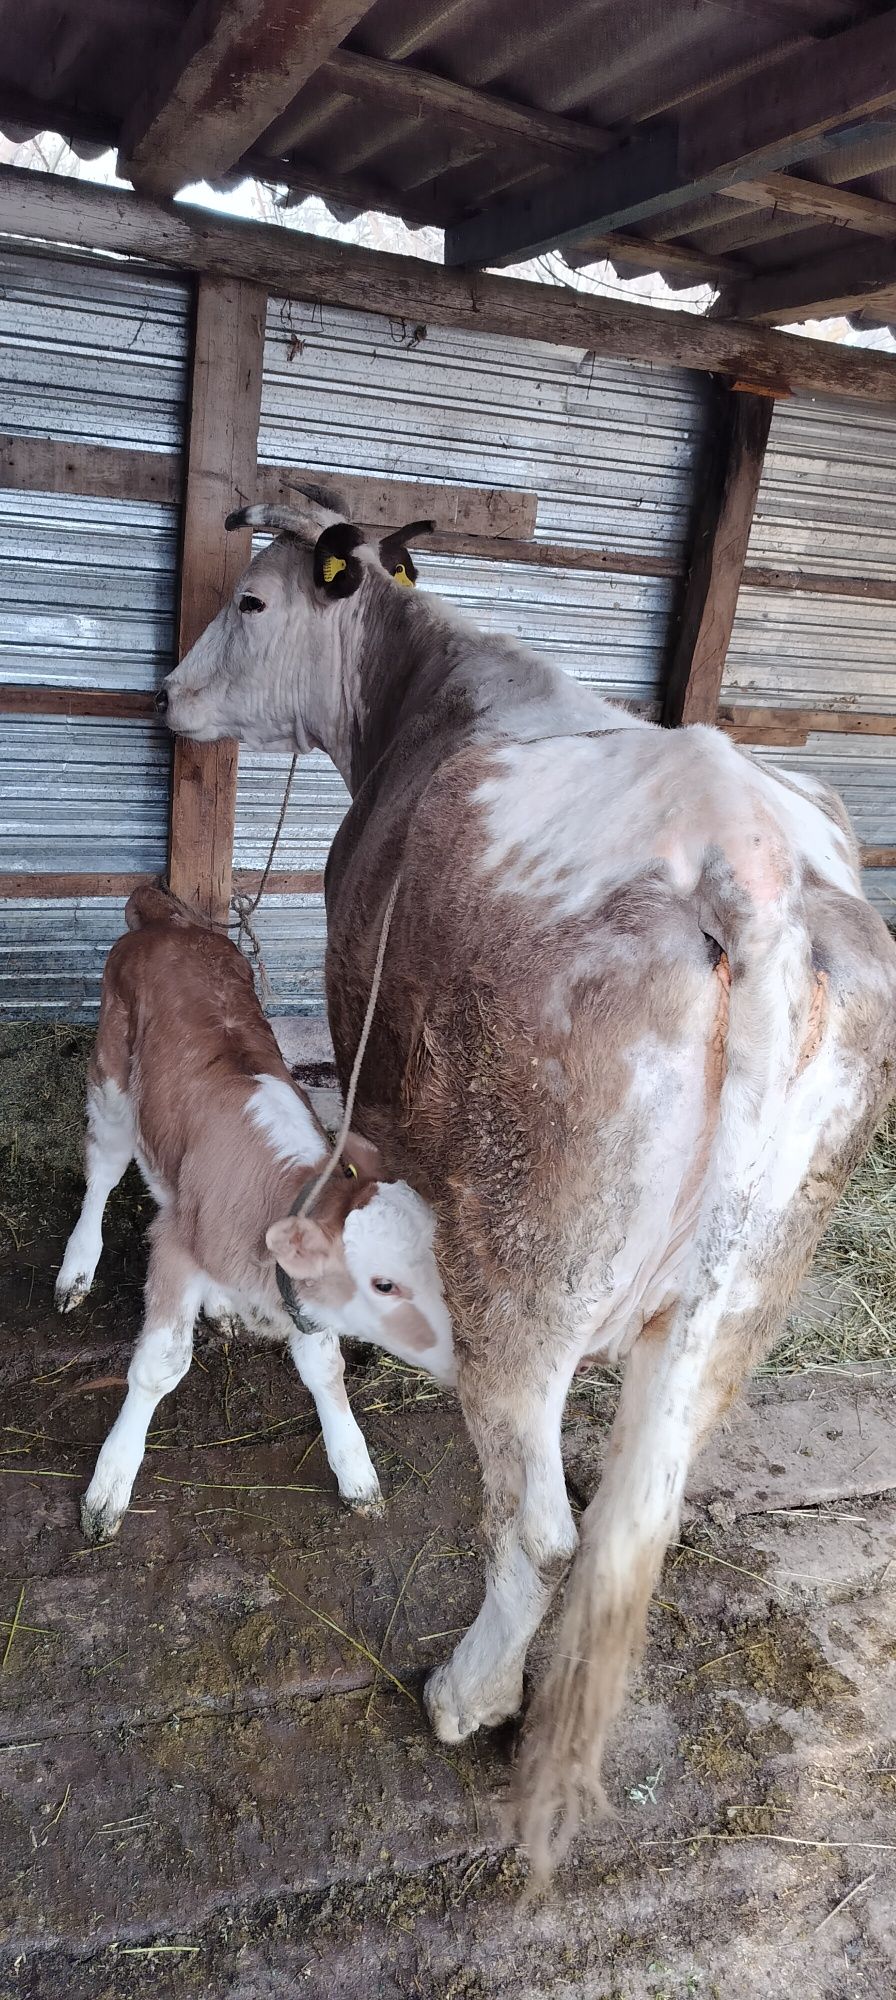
(215,1774)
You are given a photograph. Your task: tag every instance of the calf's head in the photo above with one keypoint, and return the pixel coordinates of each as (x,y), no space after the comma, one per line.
(277,666)
(363,1263)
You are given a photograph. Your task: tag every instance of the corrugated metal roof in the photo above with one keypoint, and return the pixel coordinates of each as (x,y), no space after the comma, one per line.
(607,70)
(52,956)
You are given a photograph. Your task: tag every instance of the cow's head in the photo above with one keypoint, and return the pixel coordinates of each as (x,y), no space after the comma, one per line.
(275,667)
(363,1264)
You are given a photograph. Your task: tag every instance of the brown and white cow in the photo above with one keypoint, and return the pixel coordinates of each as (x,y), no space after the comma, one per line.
(636,1027)
(186,1077)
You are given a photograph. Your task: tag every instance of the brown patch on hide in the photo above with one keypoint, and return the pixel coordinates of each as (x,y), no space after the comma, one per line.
(409,1326)
(816,1024)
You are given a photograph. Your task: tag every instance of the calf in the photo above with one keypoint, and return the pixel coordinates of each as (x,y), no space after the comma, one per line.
(186,1077)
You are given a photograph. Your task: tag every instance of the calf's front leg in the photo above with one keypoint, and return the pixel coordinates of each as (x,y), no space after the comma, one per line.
(161,1358)
(318,1358)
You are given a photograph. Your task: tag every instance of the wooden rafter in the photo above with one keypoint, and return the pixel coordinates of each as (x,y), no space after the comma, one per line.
(817,201)
(720,547)
(47,208)
(849,277)
(738,133)
(232,72)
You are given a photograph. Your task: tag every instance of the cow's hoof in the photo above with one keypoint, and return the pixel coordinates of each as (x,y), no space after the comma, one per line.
(71,1292)
(454,1719)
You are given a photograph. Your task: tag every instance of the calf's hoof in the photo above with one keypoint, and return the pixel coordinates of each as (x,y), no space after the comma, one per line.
(369,1503)
(101,1516)
(71,1292)
(455,1716)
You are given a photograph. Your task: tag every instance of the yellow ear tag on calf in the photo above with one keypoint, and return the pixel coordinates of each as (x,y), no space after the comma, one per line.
(400,575)
(332,567)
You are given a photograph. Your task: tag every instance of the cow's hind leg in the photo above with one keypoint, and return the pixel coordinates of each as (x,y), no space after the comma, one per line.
(109,1148)
(530,1536)
(161,1358)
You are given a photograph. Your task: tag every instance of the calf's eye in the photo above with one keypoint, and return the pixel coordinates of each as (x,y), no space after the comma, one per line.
(250,603)
(382,1284)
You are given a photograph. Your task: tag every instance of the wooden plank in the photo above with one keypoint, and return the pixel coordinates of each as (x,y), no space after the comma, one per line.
(48,465)
(827,583)
(389,503)
(18,888)
(879,857)
(806,721)
(851,276)
(280,882)
(643,254)
(232,70)
(720,547)
(47,208)
(817,199)
(34,699)
(224,406)
(745,129)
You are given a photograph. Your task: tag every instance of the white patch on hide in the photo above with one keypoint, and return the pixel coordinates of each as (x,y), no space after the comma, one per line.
(286,1121)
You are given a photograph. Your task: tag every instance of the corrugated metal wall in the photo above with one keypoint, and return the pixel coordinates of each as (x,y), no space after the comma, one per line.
(94,353)
(610,451)
(827,505)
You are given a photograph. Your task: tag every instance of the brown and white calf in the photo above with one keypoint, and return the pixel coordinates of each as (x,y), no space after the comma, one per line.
(186,1077)
(636,1025)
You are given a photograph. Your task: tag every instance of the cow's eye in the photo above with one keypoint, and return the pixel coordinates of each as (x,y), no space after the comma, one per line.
(382,1284)
(250,603)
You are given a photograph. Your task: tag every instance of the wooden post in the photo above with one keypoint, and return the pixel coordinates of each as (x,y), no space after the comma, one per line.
(720,548)
(225,401)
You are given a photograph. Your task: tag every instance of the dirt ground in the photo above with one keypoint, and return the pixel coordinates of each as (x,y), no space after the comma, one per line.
(215,1774)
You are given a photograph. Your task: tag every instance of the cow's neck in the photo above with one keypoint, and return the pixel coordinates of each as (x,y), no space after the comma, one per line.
(418,668)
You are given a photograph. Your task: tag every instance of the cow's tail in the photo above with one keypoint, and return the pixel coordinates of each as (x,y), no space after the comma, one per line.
(634,1515)
(151,903)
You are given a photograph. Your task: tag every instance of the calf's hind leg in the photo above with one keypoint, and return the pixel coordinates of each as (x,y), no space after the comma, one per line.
(109,1148)
(161,1358)
(530,1536)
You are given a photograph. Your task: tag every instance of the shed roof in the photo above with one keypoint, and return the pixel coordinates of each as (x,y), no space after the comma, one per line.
(748,142)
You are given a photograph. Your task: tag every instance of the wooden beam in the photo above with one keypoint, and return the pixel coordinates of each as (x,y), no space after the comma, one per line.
(645,255)
(281,882)
(224,405)
(233,69)
(48,465)
(114,703)
(818,201)
(720,548)
(47,208)
(745,129)
(18,888)
(476,114)
(388,503)
(847,278)
(878,857)
(738,716)
(827,583)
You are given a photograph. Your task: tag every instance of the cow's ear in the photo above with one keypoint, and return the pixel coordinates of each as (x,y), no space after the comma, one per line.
(337,571)
(395,555)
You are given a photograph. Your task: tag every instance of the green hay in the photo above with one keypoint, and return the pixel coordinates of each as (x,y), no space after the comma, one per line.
(848,1311)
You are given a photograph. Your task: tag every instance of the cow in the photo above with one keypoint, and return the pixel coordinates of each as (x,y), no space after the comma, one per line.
(186,1077)
(636,1027)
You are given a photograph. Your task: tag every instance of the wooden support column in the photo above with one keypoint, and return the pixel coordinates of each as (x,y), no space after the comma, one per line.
(724,520)
(222,435)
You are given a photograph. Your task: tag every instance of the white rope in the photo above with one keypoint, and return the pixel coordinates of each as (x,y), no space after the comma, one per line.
(245,910)
(316,1188)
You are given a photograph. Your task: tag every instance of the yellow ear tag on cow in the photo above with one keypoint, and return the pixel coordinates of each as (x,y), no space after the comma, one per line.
(349,1170)
(400,575)
(332,567)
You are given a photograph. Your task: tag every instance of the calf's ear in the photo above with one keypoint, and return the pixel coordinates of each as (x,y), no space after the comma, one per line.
(337,571)
(301,1247)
